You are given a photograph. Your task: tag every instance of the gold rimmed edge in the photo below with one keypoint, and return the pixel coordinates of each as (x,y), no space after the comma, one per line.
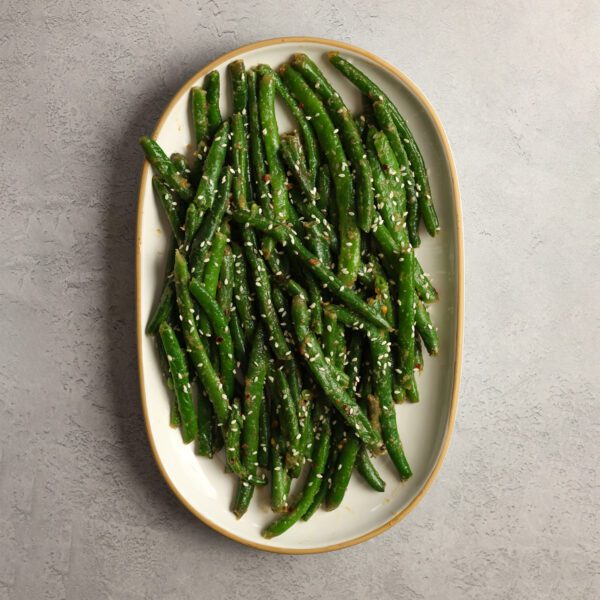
(459,290)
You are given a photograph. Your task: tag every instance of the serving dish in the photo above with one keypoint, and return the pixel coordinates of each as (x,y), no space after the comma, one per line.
(425,428)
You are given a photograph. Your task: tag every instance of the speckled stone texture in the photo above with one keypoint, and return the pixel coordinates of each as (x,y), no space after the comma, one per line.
(84,512)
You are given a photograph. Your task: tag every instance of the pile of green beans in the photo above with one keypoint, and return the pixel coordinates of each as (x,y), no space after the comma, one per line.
(294,310)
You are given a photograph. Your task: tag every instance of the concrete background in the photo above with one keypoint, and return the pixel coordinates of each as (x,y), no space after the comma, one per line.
(84,512)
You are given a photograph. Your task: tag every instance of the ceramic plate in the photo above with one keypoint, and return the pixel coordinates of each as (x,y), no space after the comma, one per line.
(425,428)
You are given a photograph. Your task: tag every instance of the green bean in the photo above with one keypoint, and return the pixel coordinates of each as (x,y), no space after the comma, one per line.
(166,169)
(212,85)
(238,339)
(256,148)
(382,198)
(262,287)
(241,184)
(218,321)
(384,118)
(213,166)
(294,220)
(342,473)
(217,253)
(350,135)
(233,447)
(210,277)
(240,89)
(281,307)
(368,87)
(389,162)
(397,187)
(233,439)
(305,422)
(426,330)
(181,383)
(242,499)
(201,136)
(423,198)
(374,413)
(354,366)
(242,297)
(320,496)
(292,153)
(253,400)
(315,359)
(209,379)
(398,391)
(367,108)
(270,135)
(288,419)
(280,480)
(316,311)
(192,222)
(349,257)
(292,244)
(170,205)
(427,293)
(361,124)
(200,118)
(334,344)
(174,418)
(264,436)
(339,377)
(311,149)
(257,157)
(406,324)
(181,164)
(237,72)
(205,435)
(319,460)
(368,471)
(294,378)
(419,363)
(290,367)
(382,376)
(391,200)
(210,224)
(164,309)
(382,289)
(386,242)
(324,200)
(225,285)
(218,441)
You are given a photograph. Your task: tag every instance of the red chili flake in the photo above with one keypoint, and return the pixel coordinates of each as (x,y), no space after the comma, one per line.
(314,261)
(266,178)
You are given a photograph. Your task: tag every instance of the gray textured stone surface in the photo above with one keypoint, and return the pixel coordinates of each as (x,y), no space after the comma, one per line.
(84,512)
